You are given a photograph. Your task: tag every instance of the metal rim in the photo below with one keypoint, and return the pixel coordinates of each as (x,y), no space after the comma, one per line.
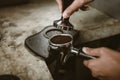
(45,34)
(61,45)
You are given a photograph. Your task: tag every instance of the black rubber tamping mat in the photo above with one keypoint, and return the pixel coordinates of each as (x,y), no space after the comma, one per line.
(38,43)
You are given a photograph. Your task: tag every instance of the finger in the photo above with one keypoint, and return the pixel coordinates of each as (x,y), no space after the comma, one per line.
(59,4)
(94,74)
(73,7)
(101,78)
(86,63)
(92,51)
(91,64)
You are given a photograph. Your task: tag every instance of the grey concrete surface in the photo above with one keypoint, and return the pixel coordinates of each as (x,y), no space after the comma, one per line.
(19,22)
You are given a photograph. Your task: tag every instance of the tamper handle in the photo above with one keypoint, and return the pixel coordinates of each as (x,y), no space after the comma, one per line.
(65,4)
(64,23)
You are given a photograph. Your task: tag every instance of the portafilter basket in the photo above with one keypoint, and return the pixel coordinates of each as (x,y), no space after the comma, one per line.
(60,44)
(50,32)
(60,41)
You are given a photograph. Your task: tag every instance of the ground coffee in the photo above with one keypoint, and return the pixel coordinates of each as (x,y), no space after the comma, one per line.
(59,39)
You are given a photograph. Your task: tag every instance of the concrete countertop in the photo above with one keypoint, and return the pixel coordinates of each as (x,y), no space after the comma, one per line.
(19,22)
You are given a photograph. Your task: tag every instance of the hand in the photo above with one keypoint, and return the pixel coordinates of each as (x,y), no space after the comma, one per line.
(73,7)
(107,66)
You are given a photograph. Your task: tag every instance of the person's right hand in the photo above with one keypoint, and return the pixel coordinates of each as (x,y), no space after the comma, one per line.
(73,7)
(107,66)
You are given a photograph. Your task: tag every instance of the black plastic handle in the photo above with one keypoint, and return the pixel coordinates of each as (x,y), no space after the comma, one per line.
(65,4)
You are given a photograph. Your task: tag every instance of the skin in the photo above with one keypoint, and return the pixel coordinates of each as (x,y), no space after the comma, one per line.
(73,7)
(107,66)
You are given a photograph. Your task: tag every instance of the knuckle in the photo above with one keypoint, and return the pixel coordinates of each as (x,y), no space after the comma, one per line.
(91,65)
(94,74)
(103,48)
(83,1)
(68,13)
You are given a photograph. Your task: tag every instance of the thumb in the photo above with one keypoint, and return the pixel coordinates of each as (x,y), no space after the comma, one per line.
(91,51)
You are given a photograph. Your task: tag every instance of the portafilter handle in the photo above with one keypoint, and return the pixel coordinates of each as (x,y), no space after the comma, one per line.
(79,52)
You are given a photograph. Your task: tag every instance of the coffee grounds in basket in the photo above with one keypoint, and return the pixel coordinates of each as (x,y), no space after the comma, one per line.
(61,39)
